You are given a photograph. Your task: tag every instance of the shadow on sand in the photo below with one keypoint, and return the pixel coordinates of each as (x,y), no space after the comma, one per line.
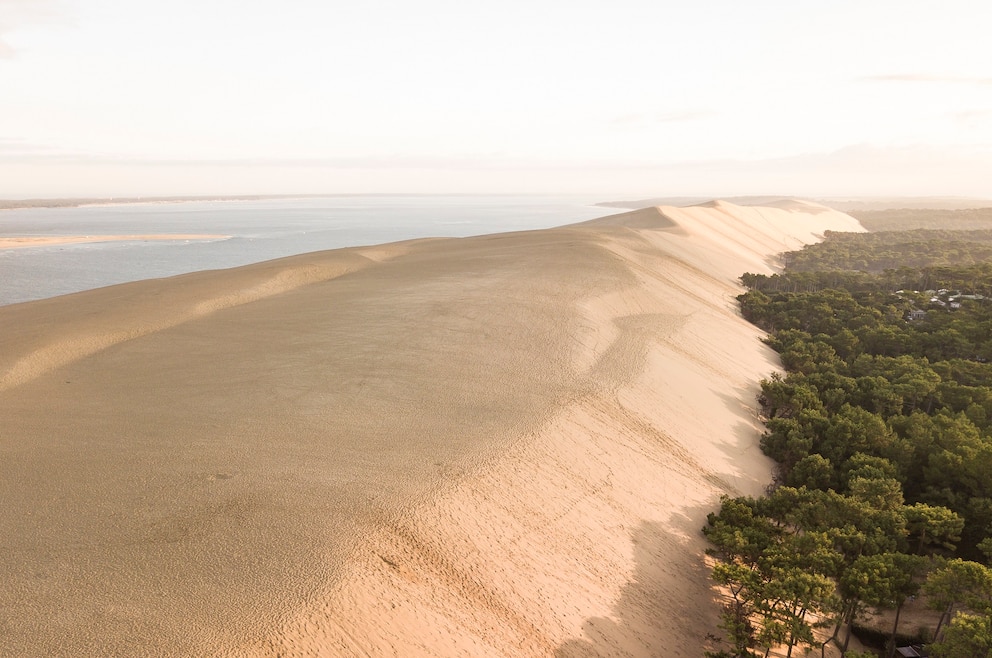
(669,607)
(665,609)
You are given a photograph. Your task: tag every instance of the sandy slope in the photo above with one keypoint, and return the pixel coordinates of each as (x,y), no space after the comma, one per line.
(501,445)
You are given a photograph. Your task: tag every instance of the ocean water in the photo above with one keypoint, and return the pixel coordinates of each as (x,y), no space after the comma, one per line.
(260,230)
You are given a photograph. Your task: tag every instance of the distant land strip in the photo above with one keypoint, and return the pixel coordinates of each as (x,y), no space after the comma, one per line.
(15,204)
(19,204)
(843,204)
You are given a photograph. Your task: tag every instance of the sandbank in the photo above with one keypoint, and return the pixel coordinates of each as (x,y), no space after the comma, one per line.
(17,242)
(494,446)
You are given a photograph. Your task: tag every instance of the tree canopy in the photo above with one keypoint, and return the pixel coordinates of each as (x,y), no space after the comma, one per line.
(881,428)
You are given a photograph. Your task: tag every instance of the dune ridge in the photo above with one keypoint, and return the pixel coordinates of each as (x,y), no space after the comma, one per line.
(582,539)
(493,446)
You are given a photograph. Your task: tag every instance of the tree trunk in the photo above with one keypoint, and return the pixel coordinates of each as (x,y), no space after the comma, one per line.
(946,616)
(840,622)
(895,629)
(849,616)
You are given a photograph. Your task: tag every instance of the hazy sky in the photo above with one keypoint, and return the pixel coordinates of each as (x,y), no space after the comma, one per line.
(618,97)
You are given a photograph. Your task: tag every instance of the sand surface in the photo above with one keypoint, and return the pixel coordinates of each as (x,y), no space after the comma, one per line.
(16,242)
(494,446)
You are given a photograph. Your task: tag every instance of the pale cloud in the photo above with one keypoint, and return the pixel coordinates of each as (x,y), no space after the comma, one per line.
(860,170)
(973,117)
(857,170)
(21,151)
(16,151)
(8,145)
(929,78)
(647,118)
(15,14)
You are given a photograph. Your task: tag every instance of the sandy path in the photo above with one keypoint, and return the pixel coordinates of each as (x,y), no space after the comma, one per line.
(501,445)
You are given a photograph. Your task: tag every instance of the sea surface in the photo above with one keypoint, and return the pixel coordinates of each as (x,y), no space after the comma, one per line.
(260,230)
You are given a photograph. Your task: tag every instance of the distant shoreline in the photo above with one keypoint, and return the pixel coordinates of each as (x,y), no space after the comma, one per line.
(80,202)
(843,204)
(20,204)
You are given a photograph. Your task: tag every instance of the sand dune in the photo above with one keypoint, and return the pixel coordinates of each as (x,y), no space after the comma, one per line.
(492,446)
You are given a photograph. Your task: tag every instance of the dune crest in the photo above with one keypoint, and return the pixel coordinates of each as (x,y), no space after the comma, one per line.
(493,446)
(583,537)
